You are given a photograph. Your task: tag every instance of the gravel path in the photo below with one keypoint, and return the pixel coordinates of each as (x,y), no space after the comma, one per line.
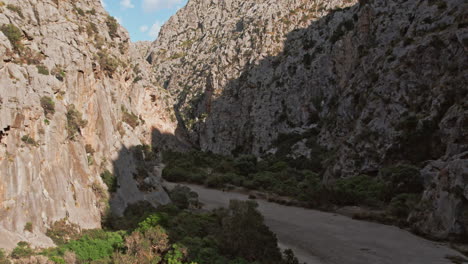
(326,238)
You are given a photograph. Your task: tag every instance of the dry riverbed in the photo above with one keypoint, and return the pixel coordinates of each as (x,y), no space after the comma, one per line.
(326,238)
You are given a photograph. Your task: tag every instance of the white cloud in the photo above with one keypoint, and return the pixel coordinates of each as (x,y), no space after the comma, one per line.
(155,5)
(144,28)
(154,30)
(102,3)
(120,20)
(126,4)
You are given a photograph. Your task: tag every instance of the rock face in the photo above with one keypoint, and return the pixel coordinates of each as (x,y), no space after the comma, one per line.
(383,82)
(75,95)
(378,82)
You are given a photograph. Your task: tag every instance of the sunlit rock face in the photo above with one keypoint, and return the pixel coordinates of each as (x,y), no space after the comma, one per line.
(70,55)
(378,82)
(383,82)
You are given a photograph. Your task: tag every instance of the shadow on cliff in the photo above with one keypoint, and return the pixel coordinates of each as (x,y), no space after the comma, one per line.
(282,82)
(136,180)
(231,113)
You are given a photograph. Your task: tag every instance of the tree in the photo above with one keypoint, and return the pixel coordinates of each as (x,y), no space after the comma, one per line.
(244,234)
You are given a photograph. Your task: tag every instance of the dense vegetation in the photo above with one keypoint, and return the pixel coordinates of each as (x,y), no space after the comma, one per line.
(397,188)
(171,234)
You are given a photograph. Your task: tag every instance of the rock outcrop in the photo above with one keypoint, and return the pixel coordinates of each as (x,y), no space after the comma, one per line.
(75,94)
(383,83)
(376,82)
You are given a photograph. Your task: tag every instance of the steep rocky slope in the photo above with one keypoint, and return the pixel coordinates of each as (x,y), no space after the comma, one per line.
(379,82)
(75,97)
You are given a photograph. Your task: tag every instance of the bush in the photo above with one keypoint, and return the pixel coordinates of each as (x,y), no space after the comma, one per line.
(137,79)
(90,248)
(91,29)
(16,9)
(246,164)
(244,234)
(151,221)
(359,190)
(28,227)
(129,118)
(110,180)
(29,140)
(48,105)
(175,174)
(62,231)
(79,11)
(214,181)
(42,69)
(403,179)
(108,63)
(14,35)
(402,204)
(144,153)
(22,250)
(59,73)
(113,25)
(133,214)
(75,121)
(3,257)
(183,197)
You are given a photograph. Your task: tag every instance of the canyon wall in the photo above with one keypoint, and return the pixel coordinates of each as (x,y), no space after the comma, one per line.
(379,82)
(75,97)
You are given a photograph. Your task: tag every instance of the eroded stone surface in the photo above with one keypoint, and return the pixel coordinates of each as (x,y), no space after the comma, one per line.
(53,177)
(384,82)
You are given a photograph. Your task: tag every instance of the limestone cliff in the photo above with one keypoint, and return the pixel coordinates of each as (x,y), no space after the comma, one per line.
(383,83)
(75,97)
(378,82)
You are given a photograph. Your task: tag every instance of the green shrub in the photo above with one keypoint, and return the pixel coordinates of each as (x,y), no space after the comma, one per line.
(108,63)
(113,25)
(75,121)
(62,231)
(246,164)
(137,79)
(130,118)
(144,152)
(79,11)
(183,197)
(153,220)
(244,234)
(91,29)
(110,180)
(3,257)
(29,140)
(359,190)
(403,179)
(16,9)
(54,254)
(14,35)
(42,69)
(402,204)
(214,181)
(175,174)
(48,105)
(91,12)
(90,248)
(22,250)
(28,227)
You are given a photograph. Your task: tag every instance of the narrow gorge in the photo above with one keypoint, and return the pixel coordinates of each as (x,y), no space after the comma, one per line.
(353,107)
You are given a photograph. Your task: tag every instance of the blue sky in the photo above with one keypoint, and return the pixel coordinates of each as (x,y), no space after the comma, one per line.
(143,18)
